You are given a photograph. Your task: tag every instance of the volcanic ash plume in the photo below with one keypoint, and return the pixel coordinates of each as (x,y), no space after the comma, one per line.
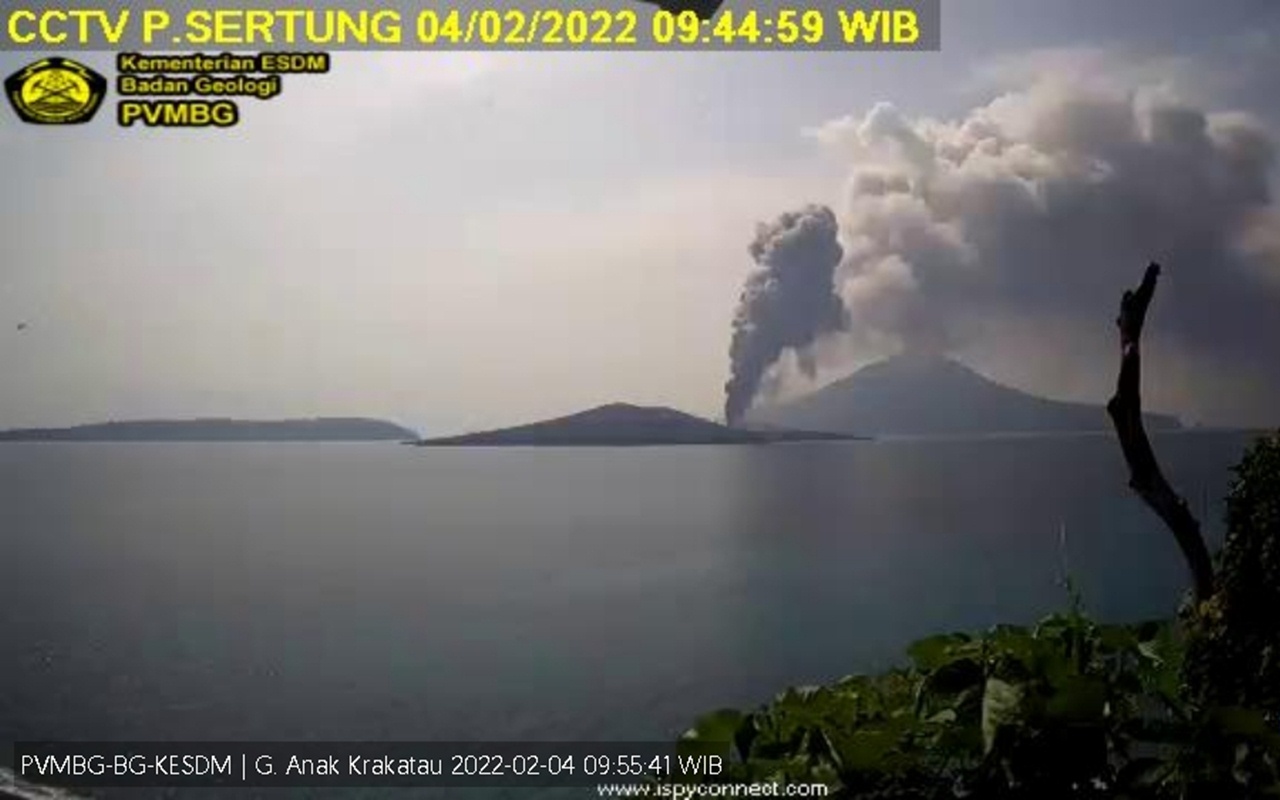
(1014,227)
(787,303)
(1042,202)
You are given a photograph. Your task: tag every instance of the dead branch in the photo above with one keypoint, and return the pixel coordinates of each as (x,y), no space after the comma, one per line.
(1145,477)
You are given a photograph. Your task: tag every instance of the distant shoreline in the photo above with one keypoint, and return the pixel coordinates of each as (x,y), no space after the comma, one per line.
(763,440)
(65,436)
(322,429)
(555,434)
(843,439)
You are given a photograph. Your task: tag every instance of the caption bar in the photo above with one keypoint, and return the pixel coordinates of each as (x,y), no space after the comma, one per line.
(361,764)
(470,25)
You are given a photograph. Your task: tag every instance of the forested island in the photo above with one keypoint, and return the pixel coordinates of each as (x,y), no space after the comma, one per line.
(323,429)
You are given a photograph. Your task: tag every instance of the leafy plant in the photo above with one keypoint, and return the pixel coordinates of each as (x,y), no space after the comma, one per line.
(1234,657)
(1067,708)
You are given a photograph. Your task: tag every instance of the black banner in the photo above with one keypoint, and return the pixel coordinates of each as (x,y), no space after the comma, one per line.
(361,764)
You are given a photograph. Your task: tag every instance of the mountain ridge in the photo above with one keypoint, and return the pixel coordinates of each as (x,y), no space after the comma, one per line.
(930,395)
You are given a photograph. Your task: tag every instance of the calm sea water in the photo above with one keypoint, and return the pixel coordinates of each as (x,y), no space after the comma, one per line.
(361,591)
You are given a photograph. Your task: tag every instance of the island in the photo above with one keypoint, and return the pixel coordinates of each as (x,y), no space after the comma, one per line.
(626,425)
(916,395)
(322,429)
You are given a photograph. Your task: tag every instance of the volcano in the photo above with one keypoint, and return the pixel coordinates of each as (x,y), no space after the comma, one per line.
(930,396)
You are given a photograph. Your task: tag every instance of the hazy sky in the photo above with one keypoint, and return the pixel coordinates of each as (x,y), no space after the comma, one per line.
(464,240)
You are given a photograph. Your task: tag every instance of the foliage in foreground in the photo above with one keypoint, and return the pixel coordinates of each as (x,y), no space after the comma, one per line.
(1067,708)
(1234,656)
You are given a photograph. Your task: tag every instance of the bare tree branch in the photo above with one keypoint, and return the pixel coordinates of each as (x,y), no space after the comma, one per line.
(1145,477)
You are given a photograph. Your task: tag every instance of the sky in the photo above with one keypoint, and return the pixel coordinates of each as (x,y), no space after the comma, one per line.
(464,240)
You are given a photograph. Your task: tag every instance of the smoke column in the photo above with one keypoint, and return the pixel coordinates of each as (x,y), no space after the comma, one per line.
(787,302)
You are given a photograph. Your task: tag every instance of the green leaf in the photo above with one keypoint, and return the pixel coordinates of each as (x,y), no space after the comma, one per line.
(719,729)
(1118,638)
(935,651)
(1014,653)
(867,750)
(954,677)
(1002,706)
(944,717)
(1078,699)
(1150,651)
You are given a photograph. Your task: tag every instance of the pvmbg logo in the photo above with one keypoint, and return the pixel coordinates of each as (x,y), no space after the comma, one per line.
(55,91)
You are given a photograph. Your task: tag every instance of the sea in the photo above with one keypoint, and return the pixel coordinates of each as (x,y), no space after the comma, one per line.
(378,592)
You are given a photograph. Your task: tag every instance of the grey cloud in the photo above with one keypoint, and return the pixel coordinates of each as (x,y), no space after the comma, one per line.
(1050,200)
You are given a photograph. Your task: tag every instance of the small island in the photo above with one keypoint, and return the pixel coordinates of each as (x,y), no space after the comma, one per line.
(626,425)
(323,429)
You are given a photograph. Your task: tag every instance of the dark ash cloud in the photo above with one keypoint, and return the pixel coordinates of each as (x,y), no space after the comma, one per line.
(787,303)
